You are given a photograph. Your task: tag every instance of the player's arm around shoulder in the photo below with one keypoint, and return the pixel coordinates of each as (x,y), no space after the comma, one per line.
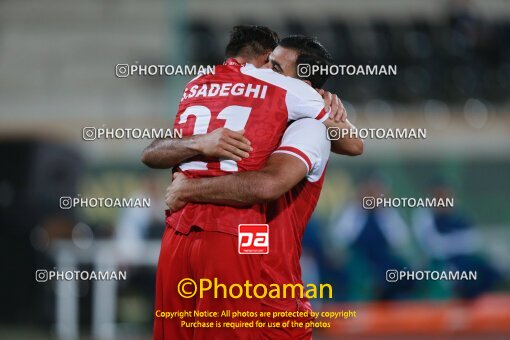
(328,109)
(350,144)
(337,119)
(303,152)
(279,175)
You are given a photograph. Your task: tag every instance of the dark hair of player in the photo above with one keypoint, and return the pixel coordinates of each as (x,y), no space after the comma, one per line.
(310,51)
(249,41)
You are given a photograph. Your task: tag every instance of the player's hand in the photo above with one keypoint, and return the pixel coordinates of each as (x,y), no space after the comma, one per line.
(224,143)
(172,197)
(331,101)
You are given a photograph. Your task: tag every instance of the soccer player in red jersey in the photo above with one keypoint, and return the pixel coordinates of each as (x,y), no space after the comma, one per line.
(201,239)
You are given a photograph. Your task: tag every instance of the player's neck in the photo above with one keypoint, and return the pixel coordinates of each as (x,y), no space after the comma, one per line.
(235,61)
(241,60)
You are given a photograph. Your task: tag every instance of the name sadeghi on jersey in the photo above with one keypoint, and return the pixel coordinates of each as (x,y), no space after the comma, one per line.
(247,90)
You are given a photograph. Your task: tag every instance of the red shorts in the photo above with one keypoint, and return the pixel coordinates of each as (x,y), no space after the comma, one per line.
(202,255)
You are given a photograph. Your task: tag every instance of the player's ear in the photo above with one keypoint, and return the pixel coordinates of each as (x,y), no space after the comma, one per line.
(261,59)
(266,56)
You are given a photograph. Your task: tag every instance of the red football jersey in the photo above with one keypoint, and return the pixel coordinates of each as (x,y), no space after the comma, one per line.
(261,102)
(288,215)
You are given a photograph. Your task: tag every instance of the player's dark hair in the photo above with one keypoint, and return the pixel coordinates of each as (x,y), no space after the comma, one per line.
(310,51)
(250,41)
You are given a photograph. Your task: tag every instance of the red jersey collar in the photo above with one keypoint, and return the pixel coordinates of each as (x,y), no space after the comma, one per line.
(232,62)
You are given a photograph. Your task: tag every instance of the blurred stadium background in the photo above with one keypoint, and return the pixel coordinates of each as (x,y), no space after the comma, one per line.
(57,61)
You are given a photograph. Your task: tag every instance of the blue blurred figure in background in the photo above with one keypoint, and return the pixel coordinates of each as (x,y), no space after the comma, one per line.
(375,239)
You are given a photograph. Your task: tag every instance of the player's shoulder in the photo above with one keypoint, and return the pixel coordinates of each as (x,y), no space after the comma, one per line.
(308,135)
(306,139)
(295,86)
(312,134)
(308,126)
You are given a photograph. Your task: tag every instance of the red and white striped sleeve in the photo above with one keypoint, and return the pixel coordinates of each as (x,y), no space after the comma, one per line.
(304,102)
(306,140)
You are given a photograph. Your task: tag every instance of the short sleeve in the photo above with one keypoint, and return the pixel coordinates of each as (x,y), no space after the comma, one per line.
(304,102)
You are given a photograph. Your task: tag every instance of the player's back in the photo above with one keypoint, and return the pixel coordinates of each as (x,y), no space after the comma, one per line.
(288,215)
(238,97)
(231,99)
